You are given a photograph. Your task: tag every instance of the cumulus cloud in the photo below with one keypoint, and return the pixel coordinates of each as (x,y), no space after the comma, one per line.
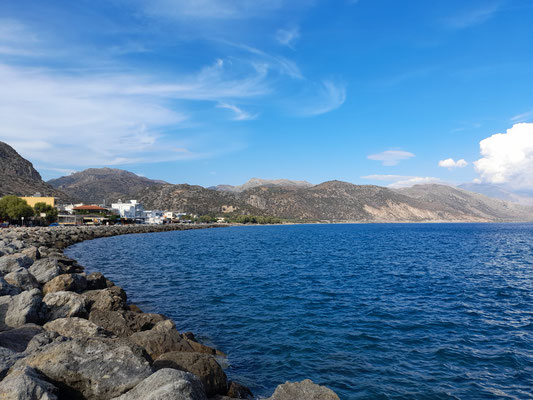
(450,163)
(391,157)
(507,158)
(399,181)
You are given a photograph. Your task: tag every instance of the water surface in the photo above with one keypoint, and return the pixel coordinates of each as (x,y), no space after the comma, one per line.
(387,311)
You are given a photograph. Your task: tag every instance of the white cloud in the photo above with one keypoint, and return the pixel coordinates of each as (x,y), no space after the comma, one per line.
(468,18)
(288,37)
(399,181)
(524,117)
(327,97)
(451,163)
(240,114)
(391,157)
(508,157)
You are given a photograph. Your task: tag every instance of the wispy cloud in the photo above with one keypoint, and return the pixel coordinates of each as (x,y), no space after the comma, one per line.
(326,97)
(240,114)
(399,181)
(391,157)
(288,37)
(475,16)
(524,117)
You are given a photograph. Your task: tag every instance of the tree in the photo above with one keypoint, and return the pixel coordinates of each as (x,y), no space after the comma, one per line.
(43,208)
(13,208)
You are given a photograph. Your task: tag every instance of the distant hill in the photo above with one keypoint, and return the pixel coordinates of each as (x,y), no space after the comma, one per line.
(256,182)
(18,177)
(96,185)
(499,192)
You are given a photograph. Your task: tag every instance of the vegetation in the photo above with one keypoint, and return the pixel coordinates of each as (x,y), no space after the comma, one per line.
(14,209)
(253,219)
(50,213)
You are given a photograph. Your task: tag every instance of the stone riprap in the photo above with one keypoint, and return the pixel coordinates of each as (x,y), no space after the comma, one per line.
(68,335)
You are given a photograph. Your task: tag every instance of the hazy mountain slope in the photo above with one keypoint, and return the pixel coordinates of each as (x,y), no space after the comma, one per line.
(257,182)
(499,192)
(18,177)
(96,185)
(470,203)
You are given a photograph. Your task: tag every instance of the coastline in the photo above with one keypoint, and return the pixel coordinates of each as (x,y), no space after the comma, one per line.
(65,334)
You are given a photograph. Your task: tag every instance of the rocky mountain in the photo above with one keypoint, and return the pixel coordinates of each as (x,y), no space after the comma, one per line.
(499,192)
(257,182)
(96,185)
(340,201)
(18,177)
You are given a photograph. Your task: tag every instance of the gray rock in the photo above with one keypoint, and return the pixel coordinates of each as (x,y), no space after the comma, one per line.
(74,327)
(109,299)
(22,279)
(45,269)
(66,282)
(304,390)
(203,366)
(27,384)
(94,368)
(8,358)
(167,384)
(123,323)
(26,307)
(6,289)
(17,339)
(14,261)
(32,252)
(65,304)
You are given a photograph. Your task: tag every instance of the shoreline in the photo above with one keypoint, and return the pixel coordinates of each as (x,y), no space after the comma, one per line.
(65,334)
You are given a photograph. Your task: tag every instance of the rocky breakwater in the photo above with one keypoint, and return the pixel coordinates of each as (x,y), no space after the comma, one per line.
(65,334)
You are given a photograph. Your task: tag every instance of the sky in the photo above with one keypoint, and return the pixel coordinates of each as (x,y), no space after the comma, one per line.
(210,92)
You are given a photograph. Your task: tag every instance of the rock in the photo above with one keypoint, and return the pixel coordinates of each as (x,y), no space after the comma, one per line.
(95,281)
(163,338)
(45,269)
(17,339)
(27,384)
(32,252)
(202,348)
(8,358)
(304,390)
(167,384)
(65,304)
(238,391)
(201,365)
(22,279)
(110,299)
(75,327)
(21,309)
(66,282)
(134,308)
(14,261)
(93,368)
(6,289)
(123,323)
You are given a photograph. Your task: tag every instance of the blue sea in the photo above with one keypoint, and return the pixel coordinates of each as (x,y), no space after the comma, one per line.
(373,311)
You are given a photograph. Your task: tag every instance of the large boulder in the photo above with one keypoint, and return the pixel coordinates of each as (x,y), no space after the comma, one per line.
(6,289)
(26,307)
(91,368)
(304,390)
(27,384)
(65,304)
(162,338)
(66,282)
(32,252)
(123,323)
(75,327)
(204,366)
(238,391)
(167,384)
(109,299)
(8,358)
(22,279)
(46,269)
(17,339)
(14,261)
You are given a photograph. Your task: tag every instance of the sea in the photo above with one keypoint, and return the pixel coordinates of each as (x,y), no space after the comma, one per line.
(373,311)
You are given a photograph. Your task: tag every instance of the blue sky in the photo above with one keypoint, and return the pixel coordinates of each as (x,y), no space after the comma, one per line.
(214,91)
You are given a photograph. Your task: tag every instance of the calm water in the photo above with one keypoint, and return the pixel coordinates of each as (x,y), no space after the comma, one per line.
(400,311)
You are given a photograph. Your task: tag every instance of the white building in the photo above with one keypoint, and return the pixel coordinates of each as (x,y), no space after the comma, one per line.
(131,210)
(154,217)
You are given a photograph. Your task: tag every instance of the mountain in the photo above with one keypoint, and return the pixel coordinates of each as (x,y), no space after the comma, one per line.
(340,201)
(96,185)
(499,192)
(256,182)
(18,177)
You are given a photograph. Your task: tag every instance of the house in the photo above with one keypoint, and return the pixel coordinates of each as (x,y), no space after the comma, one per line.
(130,210)
(155,217)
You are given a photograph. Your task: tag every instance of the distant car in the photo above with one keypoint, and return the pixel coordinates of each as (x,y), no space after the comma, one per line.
(54,224)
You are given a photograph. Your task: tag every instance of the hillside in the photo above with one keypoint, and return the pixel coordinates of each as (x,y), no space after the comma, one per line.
(499,192)
(257,182)
(18,177)
(96,185)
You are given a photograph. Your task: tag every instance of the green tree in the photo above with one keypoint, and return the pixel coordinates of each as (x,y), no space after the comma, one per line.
(13,208)
(49,211)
